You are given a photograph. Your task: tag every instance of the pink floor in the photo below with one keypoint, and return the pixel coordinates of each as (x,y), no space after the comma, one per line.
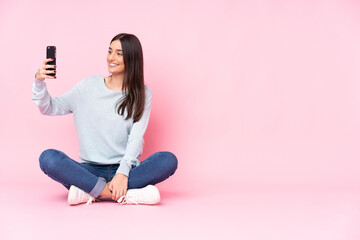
(41,212)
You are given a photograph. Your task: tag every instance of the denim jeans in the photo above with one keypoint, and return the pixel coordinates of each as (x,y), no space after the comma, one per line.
(89,177)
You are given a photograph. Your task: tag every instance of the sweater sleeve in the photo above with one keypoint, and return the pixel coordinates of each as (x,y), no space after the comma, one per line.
(61,105)
(135,142)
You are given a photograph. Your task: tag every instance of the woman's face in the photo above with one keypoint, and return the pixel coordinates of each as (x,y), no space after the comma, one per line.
(115,59)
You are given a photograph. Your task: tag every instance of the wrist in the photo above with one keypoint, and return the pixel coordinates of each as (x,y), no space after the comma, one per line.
(39,79)
(121,175)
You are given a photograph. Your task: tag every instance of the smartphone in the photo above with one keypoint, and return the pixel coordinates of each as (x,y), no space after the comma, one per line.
(51,53)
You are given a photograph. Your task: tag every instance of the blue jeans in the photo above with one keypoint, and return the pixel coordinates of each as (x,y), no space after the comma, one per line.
(88,177)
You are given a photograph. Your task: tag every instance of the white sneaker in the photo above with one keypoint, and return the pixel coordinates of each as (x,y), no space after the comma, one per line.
(146,195)
(77,196)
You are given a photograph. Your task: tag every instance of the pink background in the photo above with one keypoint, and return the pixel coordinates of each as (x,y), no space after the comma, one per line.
(259,100)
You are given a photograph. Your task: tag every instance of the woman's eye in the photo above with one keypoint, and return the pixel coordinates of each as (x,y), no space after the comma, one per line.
(119,54)
(109,52)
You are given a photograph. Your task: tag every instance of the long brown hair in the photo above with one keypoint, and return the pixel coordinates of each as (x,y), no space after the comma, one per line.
(134,99)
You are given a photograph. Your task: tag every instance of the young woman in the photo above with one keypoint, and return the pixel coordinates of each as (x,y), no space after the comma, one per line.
(111,115)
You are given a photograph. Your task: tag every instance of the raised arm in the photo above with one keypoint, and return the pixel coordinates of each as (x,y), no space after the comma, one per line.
(61,105)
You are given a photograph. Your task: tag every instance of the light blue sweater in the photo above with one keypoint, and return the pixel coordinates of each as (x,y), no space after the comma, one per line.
(105,137)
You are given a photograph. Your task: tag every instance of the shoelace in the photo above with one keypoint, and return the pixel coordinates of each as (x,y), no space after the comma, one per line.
(91,199)
(124,200)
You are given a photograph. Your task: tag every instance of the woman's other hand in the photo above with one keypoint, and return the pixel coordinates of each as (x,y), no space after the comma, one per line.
(42,73)
(118,186)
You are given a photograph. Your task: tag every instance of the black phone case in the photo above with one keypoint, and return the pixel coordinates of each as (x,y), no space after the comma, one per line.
(51,53)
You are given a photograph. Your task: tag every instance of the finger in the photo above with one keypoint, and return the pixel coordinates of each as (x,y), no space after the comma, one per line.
(47,60)
(50,77)
(43,74)
(49,71)
(118,195)
(50,66)
(112,192)
(125,191)
(42,71)
(114,195)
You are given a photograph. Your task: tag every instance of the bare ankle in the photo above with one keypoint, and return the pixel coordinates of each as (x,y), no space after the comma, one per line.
(106,191)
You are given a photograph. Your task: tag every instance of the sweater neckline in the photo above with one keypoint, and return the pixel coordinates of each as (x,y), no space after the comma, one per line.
(110,90)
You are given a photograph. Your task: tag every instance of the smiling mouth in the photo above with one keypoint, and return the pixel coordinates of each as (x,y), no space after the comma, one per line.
(113,65)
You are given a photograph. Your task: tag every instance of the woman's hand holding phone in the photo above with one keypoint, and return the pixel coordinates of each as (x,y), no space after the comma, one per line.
(43,73)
